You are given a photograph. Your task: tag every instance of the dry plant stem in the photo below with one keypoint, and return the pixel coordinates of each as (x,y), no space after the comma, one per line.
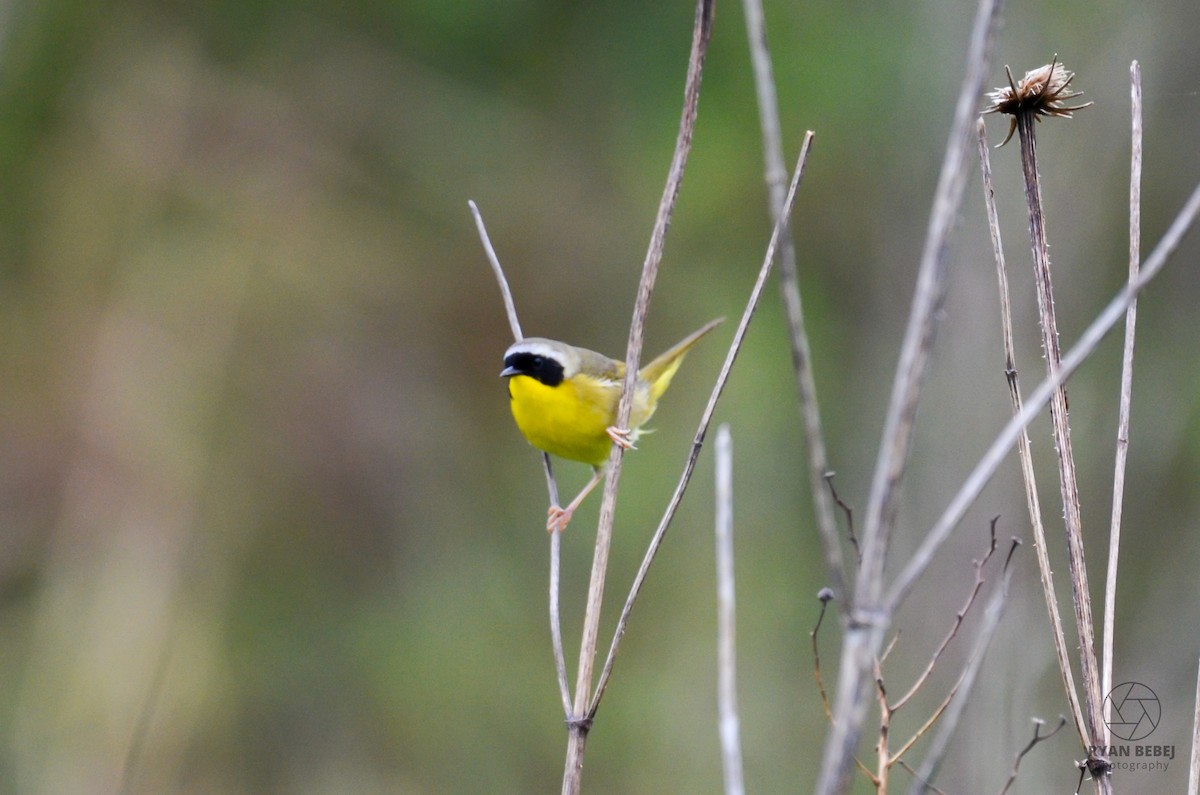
(729,724)
(1038,398)
(825,596)
(978,565)
(141,729)
(1194,767)
(1114,538)
(849,514)
(883,757)
(952,708)
(789,286)
(580,721)
(933,718)
(918,339)
(887,709)
(919,787)
(888,651)
(866,621)
(816,651)
(701,431)
(887,759)
(1038,737)
(510,309)
(1032,500)
(1082,599)
(556,641)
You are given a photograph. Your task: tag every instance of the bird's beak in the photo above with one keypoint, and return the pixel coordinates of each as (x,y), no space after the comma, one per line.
(508,372)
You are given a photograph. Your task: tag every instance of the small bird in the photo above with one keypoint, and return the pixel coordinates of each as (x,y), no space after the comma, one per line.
(565,398)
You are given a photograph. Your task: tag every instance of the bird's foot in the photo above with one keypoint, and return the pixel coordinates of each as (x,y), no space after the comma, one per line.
(557,518)
(620,436)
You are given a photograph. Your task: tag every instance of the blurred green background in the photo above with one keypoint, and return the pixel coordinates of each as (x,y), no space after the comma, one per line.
(262,505)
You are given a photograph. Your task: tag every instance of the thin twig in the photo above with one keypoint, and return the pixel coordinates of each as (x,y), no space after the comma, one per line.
(1024,453)
(1038,737)
(510,309)
(952,708)
(789,286)
(848,511)
(729,723)
(992,458)
(556,641)
(887,652)
(702,429)
(825,595)
(883,755)
(584,706)
(920,787)
(959,617)
(1135,242)
(141,730)
(866,622)
(1194,767)
(933,718)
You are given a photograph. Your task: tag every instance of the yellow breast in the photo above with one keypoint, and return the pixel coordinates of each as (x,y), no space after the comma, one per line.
(570,419)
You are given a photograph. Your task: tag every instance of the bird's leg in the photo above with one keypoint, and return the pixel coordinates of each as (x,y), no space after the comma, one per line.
(558,517)
(620,436)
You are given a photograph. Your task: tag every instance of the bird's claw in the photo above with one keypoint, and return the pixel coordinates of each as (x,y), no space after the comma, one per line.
(620,436)
(557,518)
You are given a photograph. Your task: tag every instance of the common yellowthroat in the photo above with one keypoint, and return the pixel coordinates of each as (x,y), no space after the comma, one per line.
(565,398)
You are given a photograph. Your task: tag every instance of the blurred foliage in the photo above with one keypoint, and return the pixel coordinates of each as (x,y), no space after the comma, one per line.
(265,523)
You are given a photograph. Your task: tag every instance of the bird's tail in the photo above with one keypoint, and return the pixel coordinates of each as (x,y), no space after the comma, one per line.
(659,372)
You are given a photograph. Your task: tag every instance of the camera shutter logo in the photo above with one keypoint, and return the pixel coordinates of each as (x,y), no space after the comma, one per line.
(1135,711)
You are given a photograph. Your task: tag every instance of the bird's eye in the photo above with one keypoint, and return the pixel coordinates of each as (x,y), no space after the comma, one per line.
(540,367)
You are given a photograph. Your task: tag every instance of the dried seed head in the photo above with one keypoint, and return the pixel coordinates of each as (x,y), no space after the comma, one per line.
(1041,92)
